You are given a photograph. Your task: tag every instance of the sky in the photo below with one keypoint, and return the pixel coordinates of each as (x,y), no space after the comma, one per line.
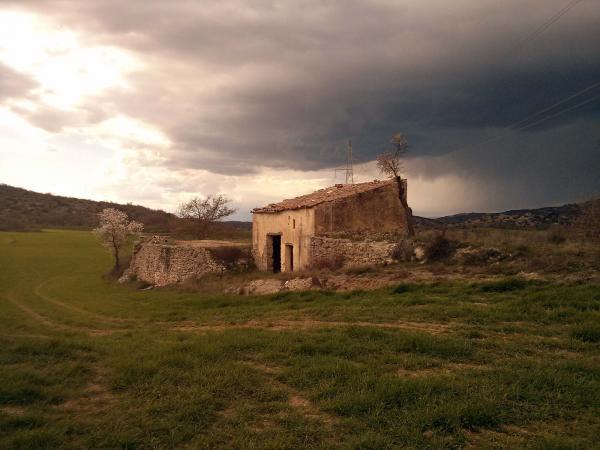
(156,101)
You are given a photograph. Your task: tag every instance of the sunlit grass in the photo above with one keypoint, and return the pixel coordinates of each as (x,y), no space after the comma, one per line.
(88,363)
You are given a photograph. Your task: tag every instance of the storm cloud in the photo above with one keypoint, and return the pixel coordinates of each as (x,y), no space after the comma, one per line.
(237,86)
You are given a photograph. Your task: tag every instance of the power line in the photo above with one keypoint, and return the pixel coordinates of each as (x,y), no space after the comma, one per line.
(523,125)
(531,116)
(543,27)
(551,116)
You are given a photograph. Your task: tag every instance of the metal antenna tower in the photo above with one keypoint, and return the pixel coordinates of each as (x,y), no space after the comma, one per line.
(349,166)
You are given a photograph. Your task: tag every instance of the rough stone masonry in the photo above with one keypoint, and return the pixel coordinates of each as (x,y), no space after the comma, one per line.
(345,252)
(161,261)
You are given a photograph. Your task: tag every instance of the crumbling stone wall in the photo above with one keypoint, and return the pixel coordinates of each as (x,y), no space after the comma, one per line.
(161,262)
(332,252)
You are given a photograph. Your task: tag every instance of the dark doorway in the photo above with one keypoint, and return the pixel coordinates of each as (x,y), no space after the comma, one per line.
(276,246)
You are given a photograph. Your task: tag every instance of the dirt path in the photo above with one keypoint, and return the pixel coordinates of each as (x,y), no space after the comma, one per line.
(443,369)
(285,325)
(49,323)
(25,336)
(93,398)
(296,400)
(191,326)
(96,316)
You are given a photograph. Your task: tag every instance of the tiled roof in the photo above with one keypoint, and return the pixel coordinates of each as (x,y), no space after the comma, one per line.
(329,194)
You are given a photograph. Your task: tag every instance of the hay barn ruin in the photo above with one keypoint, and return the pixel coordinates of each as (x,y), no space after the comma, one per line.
(342,225)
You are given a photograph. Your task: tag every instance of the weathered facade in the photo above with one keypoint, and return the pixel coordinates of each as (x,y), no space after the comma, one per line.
(284,234)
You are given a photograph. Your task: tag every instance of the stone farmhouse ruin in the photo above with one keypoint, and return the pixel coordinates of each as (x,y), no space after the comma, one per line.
(343,225)
(346,224)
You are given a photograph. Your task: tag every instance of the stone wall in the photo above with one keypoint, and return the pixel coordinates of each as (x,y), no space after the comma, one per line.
(375,211)
(334,253)
(161,262)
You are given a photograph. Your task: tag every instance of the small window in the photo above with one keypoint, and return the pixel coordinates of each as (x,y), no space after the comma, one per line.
(294,224)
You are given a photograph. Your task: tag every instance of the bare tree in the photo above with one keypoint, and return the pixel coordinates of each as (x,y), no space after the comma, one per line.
(391,164)
(115,227)
(205,211)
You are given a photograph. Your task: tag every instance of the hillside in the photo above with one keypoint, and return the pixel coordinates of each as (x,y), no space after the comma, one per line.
(22,210)
(518,218)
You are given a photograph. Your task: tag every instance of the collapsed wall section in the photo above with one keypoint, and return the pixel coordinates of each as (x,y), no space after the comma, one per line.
(161,262)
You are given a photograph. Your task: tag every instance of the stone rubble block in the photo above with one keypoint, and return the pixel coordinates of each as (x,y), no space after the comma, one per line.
(261,287)
(300,284)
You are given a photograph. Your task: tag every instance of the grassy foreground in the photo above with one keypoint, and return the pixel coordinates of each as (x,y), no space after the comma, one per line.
(85,363)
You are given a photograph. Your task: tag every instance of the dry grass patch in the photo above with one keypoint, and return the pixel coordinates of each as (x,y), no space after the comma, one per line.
(13,410)
(93,398)
(442,369)
(307,324)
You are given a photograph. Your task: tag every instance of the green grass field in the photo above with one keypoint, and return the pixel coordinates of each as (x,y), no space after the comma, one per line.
(87,363)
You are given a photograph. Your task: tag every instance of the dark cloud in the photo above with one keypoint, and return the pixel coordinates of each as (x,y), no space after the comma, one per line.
(551,166)
(284,84)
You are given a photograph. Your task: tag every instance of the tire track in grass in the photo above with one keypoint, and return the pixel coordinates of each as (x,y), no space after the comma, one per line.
(444,369)
(296,400)
(93,398)
(25,336)
(284,325)
(34,315)
(96,316)
(13,410)
(49,323)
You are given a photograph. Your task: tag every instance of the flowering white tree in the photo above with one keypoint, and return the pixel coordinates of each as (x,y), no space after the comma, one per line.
(115,227)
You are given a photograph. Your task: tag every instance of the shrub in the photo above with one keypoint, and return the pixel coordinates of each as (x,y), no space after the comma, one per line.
(587,224)
(403,250)
(506,285)
(478,256)
(439,248)
(587,332)
(484,413)
(522,250)
(359,270)
(557,235)
(402,288)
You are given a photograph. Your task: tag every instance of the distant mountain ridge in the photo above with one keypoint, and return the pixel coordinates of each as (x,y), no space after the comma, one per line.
(516,218)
